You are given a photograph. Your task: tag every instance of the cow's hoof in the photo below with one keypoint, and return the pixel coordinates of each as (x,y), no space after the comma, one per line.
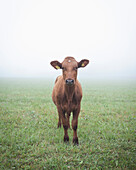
(75,141)
(66,138)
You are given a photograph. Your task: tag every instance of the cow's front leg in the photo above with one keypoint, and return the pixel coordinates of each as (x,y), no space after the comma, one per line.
(65,124)
(75,124)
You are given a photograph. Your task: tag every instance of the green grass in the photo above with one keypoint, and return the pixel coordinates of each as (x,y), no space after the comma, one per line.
(29,138)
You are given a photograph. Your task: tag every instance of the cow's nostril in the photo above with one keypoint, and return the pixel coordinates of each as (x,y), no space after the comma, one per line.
(69,81)
(72,81)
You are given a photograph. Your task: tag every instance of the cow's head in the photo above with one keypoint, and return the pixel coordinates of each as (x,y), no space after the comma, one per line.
(69,67)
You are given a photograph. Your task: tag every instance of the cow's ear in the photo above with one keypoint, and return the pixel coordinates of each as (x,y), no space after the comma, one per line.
(56,64)
(83,63)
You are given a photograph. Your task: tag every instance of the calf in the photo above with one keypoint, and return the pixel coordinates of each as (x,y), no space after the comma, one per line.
(67,94)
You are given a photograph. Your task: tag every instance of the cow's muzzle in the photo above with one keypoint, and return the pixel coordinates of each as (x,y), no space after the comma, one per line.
(69,82)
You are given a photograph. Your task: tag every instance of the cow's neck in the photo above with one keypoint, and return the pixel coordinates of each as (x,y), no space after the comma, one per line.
(69,92)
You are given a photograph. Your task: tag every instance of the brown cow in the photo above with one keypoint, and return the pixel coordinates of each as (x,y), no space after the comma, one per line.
(67,94)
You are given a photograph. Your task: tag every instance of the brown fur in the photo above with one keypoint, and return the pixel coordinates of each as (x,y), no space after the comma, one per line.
(67,98)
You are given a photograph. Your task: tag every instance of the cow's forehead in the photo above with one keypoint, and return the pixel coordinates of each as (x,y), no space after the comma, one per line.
(69,61)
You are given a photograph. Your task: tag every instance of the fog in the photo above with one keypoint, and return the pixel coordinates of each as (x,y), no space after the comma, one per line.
(33,33)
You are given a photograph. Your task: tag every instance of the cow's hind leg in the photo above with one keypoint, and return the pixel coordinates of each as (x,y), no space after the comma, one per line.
(59,122)
(68,116)
(74,125)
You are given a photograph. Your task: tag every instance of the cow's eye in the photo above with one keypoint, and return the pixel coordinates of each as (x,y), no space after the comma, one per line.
(63,68)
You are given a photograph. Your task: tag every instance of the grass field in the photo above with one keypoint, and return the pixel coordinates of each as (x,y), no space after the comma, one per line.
(29,138)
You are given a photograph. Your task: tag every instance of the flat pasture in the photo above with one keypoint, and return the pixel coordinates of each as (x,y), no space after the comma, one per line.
(29,138)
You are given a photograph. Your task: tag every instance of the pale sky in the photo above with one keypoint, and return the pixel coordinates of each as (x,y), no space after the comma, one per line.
(35,32)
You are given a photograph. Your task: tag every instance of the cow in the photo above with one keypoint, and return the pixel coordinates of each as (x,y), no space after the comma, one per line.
(67,94)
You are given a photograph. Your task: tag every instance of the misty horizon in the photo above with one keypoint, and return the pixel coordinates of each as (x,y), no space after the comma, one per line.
(34,33)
